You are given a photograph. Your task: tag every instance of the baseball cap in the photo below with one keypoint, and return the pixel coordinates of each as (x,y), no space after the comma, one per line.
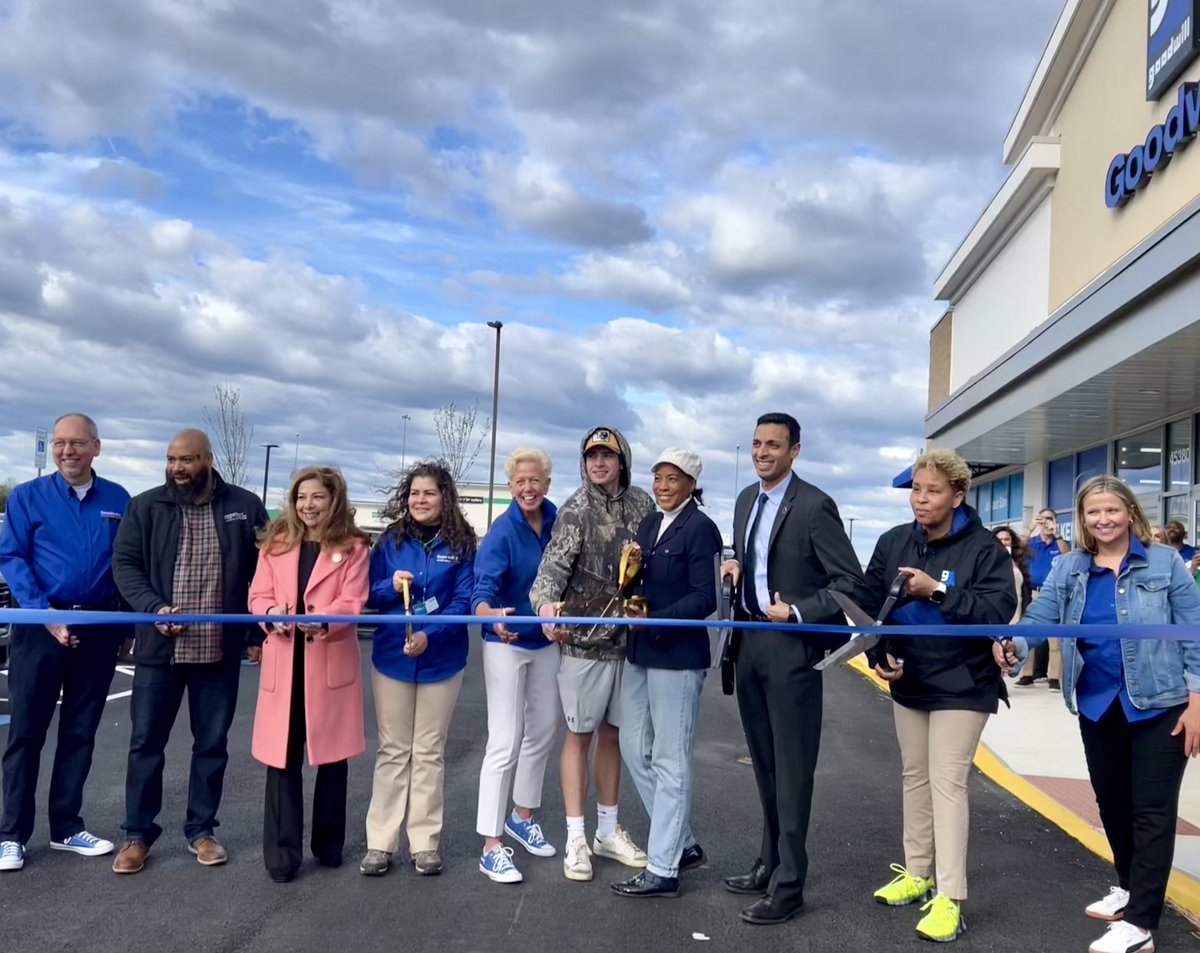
(602,437)
(687,461)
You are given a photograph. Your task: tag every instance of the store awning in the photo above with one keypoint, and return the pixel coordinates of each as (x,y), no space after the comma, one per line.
(903,479)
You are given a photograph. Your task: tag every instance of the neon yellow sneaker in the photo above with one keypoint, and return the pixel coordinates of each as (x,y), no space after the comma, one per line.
(905,888)
(944,921)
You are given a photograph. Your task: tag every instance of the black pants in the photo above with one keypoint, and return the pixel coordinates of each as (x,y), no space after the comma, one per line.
(780,700)
(38,669)
(212,690)
(283,814)
(1136,770)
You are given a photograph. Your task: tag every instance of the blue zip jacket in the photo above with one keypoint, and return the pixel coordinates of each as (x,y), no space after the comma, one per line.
(57,549)
(438,573)
(1152,589)
(505,567)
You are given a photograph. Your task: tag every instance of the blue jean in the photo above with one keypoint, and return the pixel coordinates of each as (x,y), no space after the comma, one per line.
(212,690)
(659,709)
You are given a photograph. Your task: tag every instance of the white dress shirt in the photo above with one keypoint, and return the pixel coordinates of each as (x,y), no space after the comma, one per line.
(762,541)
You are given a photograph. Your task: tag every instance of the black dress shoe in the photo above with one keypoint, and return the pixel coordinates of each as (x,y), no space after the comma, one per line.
(754,882)
(282,876)
(691,857)
(646,884)
(768,911)
(329,860)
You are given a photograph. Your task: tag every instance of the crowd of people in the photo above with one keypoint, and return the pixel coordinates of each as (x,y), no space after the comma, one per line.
(613,552)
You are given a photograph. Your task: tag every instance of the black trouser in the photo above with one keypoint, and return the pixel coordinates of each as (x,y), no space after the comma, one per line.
(38,669)
(283,814)
(779,697)
(212,690)
(1136,770)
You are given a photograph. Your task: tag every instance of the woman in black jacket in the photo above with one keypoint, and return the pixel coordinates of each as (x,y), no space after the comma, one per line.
(665,668)
(943,688)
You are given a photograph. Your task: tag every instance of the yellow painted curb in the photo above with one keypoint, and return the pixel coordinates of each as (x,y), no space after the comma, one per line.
(1183,890)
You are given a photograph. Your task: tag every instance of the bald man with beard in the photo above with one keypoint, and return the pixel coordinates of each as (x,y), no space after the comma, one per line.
(187,546)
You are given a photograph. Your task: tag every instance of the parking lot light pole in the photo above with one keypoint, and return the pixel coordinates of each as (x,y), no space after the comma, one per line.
(267,469)
(498,325)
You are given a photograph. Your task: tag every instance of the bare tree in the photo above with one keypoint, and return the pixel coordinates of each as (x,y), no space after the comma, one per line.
(456,434)
(231,436)
(6,488)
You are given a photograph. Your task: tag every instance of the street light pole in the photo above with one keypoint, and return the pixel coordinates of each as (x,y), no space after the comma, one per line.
(267,469)
(296,458)
(737,463)
(404,441)
(850,520)
(498,325)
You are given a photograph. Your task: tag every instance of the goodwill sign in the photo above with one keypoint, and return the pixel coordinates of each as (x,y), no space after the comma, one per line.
(1170,42)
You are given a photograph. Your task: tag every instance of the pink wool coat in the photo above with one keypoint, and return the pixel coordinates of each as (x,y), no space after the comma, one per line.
(333,690)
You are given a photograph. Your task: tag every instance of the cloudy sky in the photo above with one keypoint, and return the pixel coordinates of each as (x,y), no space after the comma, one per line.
(685,212)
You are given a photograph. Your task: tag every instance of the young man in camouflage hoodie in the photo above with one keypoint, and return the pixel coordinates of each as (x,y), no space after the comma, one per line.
(578,576)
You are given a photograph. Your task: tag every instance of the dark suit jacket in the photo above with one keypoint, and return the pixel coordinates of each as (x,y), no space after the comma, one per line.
(809,554)
(679,581)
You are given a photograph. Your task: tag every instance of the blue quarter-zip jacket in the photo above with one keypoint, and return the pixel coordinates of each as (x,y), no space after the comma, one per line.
(505,567)
(57,547)
(437,573)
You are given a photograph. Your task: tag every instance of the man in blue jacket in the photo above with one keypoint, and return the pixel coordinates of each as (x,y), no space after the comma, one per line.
(56,553)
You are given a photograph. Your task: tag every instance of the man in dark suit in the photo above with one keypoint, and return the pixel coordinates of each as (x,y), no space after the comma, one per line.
(790,548)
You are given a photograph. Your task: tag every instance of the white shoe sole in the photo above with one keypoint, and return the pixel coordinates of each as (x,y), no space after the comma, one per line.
(1105,917)
(577,875)
(514,877)
(98,851)
(10,865)
(636,862)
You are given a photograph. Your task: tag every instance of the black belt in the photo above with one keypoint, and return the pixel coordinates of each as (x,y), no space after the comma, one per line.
(112,605)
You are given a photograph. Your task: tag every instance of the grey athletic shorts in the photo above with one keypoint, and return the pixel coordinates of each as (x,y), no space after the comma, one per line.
(590,690)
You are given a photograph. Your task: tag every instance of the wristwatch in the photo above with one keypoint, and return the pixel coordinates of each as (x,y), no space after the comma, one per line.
(793,615)
(938,594)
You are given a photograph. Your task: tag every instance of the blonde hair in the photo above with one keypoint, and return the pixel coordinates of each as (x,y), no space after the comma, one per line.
(286,531)
(528,455)
(1139,526)
(949,464)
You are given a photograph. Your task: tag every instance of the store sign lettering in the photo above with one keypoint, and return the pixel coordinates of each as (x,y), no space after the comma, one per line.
(1131,170)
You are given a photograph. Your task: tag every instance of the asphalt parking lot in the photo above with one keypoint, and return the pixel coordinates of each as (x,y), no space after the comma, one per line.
(1029,882)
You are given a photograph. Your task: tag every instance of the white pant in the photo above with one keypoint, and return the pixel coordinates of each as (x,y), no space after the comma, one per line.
(522,705)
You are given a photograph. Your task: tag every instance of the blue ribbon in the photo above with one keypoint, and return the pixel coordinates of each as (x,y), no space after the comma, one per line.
(1170,633)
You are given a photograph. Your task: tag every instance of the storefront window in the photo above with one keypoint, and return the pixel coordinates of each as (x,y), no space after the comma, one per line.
(1179,455)
(1140,461)
(985,503)
(1062,484)
(1000,500)
(1016,497)
(1091,463)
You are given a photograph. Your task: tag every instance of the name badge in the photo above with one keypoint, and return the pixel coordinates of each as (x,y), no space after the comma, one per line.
(428,607)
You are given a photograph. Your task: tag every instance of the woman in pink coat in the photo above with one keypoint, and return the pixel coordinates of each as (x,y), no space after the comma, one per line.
(312,559)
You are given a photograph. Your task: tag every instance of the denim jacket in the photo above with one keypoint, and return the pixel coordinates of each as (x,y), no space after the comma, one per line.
(1152,590)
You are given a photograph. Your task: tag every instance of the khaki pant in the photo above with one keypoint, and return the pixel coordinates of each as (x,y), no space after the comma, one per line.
(410,767)
(936,749)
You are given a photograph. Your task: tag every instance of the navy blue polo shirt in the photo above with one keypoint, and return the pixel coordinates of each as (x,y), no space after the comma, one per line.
(1103,676)
(1040,557)
(56,547)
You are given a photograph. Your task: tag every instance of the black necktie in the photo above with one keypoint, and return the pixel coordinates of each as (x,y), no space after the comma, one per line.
(750,593)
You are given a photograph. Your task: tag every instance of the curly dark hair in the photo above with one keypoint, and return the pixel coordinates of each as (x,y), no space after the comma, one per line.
(1020,556)
(456,531)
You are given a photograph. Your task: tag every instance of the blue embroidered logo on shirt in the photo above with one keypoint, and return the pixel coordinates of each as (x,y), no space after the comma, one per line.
(109,515)
(948,577)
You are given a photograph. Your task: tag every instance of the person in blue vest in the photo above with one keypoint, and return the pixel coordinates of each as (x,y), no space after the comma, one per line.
(1138,700)
(429,549)
(56,553)
(520,670)
(665,669)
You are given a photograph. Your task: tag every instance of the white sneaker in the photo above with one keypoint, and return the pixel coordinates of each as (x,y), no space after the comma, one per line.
(12,855)
(496,864)
(1123,937)
(84,844)
(620,847)
(1112,907)
(577,860)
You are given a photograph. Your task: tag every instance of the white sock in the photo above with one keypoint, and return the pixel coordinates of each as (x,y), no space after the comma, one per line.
(606,820)
(574,829)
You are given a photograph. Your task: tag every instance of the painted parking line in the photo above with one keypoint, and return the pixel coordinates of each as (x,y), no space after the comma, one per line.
(126,670)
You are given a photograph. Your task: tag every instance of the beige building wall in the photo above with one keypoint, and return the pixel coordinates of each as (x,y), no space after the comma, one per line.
(941,346)
(1106,113)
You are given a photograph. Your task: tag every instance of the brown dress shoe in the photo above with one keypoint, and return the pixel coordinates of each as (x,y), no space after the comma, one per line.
(131,858)
(208,851)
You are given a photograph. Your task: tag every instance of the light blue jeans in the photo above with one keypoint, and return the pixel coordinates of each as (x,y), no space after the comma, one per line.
(659,709)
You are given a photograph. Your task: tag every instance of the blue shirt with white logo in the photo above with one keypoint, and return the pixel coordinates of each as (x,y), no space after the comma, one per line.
(1041,557)
(56,549)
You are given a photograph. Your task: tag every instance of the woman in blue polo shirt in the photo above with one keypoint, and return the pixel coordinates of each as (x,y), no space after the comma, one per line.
(520,670)
(417,670)
(1138,700)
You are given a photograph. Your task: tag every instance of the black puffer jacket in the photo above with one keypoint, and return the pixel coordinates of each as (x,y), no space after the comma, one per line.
(945,672)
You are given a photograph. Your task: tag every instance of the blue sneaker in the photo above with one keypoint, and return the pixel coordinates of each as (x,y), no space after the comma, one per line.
(529,834)
(497,865)
(12,855)
(85,844)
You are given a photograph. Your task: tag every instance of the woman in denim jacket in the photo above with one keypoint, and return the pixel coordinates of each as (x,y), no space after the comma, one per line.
(1138,700)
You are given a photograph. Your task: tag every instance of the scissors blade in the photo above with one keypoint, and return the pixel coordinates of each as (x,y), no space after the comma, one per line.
(858,643)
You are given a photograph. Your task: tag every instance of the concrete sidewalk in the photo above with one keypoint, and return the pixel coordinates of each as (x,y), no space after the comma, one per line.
(1033,750)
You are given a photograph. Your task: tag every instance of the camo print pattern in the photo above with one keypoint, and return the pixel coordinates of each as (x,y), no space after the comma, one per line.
(579,567)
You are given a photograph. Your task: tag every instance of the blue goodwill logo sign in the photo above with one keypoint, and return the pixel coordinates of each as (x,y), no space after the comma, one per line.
(1170,42)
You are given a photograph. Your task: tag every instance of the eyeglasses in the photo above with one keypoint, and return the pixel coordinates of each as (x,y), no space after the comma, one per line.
(61,444)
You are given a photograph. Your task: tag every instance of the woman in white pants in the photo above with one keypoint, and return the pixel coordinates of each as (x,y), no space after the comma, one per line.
(520,669)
